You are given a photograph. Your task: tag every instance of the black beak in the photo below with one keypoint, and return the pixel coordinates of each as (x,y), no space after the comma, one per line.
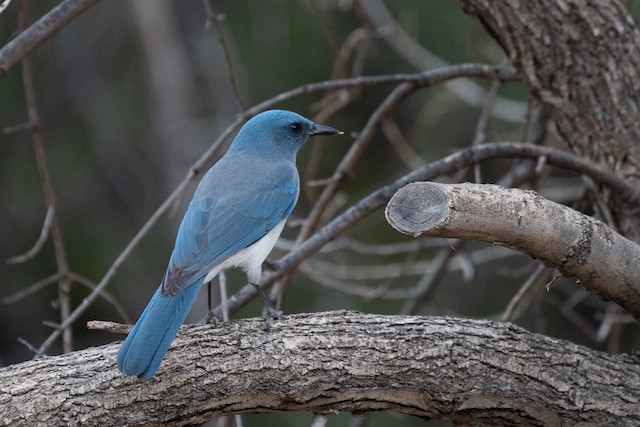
(324,130)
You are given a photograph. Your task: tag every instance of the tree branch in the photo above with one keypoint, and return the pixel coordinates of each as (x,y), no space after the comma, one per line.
(469,371)
(577,245)
(580,58)
(14,51)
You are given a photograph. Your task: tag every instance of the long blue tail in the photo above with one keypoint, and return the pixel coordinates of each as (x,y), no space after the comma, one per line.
(145,346)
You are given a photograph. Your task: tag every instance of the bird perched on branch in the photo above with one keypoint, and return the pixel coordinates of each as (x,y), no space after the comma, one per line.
(234,219)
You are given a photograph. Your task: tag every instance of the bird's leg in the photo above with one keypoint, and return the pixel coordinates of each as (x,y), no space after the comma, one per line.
(272,313)
(211,318)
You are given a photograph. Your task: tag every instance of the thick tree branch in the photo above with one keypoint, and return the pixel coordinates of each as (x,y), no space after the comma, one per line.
(577,245)
(470,371)
(581,58)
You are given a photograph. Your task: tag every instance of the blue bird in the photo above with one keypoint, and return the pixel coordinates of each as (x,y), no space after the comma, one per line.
(234,219)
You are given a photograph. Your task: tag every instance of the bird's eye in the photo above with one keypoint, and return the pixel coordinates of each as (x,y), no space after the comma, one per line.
(295,128)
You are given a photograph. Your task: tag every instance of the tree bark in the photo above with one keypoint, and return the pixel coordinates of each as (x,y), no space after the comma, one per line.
(469,371)
(582,59)
(577,245)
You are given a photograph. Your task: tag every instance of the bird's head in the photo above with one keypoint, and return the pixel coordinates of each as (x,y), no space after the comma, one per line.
(277,132)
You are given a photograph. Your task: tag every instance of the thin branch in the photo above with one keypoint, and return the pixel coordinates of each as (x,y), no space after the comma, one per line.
(334,100)
(507,316)
(20,127)
(427,285)
(44,233)
(103,325)
(78,278)
(39,285)
(425,78)
(30,347)
(415,54)
(480,134)
(47,184)
(398,142)
(32,37)
(214,19)
(327,28)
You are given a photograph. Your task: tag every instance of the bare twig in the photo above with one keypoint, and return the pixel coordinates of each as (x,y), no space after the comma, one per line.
(480,134)
(41,30)
(19,127)
(517,298)
(44,233)
(214,19)
(104,294)
(47,186)
(30,347)
(400,145)
(427,285)
(415,54)
(101,325)
(41,284)
(342,278)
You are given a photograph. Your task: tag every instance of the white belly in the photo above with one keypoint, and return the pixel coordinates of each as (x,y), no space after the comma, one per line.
(250,259)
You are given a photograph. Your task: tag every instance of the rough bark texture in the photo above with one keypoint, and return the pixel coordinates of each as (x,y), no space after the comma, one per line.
(577,245)
(470,371)
(582,59)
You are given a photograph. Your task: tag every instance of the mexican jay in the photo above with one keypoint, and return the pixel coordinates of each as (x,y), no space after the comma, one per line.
(234,219)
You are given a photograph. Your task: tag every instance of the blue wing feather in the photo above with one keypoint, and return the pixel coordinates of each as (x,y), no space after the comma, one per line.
(215,227)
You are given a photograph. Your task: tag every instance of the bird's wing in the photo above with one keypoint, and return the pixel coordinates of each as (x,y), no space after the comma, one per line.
(216,226)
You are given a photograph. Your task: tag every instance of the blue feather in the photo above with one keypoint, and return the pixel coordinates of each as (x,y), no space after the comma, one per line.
(145,346)
(240,200)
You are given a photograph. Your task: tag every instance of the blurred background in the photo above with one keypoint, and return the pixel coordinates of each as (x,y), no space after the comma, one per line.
(132,93)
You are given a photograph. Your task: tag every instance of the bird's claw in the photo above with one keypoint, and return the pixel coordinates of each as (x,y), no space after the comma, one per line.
(212,319)
(271,315)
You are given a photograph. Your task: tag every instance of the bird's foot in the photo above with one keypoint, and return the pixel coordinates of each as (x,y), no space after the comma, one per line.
(271,313)
(212,319)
